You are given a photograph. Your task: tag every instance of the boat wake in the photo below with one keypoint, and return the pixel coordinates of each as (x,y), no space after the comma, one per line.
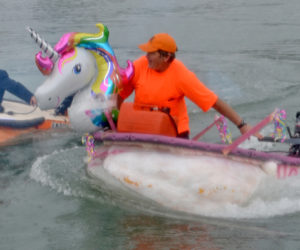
(61,170)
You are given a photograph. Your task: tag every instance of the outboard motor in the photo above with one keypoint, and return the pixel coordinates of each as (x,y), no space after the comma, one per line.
(295,149)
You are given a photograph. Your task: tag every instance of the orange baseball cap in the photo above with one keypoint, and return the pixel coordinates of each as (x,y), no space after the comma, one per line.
(160,41)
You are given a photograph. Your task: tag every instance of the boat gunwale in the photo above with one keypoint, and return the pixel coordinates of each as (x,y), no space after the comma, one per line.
(197,145)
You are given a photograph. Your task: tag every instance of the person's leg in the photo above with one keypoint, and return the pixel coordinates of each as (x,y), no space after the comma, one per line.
(3,76)
(62,108)
(1,94)
(13,87)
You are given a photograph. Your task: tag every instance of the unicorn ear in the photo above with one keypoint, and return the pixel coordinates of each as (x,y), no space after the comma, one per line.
(45,47)
(100,26)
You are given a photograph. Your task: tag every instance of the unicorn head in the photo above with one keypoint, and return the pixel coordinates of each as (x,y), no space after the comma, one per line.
(83,65)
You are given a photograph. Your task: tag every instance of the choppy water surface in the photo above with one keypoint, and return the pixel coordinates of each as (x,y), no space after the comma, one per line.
(246,51)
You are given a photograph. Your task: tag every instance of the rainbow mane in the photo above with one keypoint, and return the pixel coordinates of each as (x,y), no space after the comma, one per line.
(108,69)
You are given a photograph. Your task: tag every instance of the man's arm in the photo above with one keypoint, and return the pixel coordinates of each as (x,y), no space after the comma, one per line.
(226,110)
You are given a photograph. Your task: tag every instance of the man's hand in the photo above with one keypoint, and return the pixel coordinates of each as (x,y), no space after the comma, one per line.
(246,128)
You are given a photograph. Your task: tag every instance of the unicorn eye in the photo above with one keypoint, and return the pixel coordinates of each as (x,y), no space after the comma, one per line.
(77,68)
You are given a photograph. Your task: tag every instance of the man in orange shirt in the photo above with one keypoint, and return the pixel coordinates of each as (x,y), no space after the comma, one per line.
(162,81)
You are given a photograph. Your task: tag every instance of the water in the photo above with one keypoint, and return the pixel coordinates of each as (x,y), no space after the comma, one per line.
(246,51)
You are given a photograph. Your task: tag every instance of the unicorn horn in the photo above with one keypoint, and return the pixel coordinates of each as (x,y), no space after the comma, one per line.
(45,47)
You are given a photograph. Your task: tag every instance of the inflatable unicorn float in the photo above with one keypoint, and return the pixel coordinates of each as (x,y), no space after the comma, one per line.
(177,173)
(83,65)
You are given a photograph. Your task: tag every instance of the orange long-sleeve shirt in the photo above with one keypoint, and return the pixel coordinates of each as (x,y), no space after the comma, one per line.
(167,89)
